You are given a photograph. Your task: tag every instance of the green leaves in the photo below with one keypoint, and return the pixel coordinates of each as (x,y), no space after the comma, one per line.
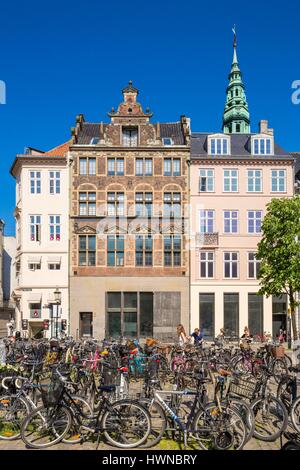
(279,249)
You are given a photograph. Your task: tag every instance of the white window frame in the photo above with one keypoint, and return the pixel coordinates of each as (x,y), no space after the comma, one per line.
(36,180)
(254,178)
(262,138)
(206,261)
(53,180)
(206,218)
(218,139)
(36,224)
(230,180)
(277,178)
(230,221)
(254,220)
(164,139)
(231,261)
(34,266)
(205,171)
(255,262)
(56,224)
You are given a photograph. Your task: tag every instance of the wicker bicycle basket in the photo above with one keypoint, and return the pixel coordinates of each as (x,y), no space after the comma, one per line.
(278,351)
(243,387)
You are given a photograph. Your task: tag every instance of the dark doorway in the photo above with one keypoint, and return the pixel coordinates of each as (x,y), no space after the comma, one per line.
(279,311)
(86,324)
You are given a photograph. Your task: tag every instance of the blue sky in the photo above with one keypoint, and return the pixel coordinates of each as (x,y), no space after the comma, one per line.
(62,58)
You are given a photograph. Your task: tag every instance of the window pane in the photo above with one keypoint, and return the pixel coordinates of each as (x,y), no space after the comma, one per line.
(92,166)
(207,315)
(255,314)
(130,324)
(231,314)
(146,313)
(92,243)
(114,324)
(130,300)
(114,300)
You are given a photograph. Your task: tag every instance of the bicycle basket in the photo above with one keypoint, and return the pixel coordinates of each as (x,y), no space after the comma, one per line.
(278,351)
(51,394)
(243,387)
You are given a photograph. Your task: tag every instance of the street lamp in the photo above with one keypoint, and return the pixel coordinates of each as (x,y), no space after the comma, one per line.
(57,302)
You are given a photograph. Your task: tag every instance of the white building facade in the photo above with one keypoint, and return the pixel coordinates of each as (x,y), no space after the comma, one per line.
(42,212)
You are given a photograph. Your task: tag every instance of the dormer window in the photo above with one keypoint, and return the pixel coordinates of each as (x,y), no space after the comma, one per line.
(94,141)
(167,141)
(218,146)
(130,136)
(262,146)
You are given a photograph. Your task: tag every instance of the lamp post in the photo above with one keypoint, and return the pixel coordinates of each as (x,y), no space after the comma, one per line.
(57,302)
(289,328)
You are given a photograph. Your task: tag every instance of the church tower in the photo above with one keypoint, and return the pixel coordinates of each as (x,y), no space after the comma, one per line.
(236,117)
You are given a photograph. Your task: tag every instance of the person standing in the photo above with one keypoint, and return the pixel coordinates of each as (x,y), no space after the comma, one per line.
(198,336)
(182,336)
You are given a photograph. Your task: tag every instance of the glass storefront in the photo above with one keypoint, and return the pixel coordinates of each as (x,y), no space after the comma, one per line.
(129,314)
(207,315)
(255,314)
(231,314)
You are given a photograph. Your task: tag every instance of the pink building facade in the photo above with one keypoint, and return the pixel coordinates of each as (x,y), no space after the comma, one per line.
(232,179)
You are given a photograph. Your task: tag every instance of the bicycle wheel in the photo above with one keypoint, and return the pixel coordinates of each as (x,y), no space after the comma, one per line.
(279,369)
(158,422)
(126,424)
(44,427)
(271,418)
(243,365)
(219,428)
(13,410)
(76,433)
(295,414)
(247,414)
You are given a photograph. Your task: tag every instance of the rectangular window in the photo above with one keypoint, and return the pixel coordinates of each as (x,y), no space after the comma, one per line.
(253,266)
(230,181)
(254,181)
(115,250)
(35,182)
(54,266)
(172,167)
(230,260)
(219,146)
(143,204)
(207,181)
(172,250)
(172,204)
(54,227)
(34,266)
(115,204)
(207,221)
(54,182)
(278,180)
(207,264)
(130,136)
(230,221)
(231,314)
(262,146)
(254,221)
(143,166)
(143,250)
(35,228)
(115,166)
(207,315)
(255,314)
(87,250)
(87,203)
(87,166)
(129,314)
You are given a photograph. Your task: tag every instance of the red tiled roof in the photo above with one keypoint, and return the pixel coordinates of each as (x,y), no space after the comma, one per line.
(59,151)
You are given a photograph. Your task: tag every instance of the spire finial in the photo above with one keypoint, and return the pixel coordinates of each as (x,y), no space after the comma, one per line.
(234,36)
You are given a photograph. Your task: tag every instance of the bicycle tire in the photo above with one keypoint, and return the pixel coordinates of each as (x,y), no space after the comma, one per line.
(26,408)
(46,413)
(295,414)
(259,428)
(123,414)
(75,426)
(158,422)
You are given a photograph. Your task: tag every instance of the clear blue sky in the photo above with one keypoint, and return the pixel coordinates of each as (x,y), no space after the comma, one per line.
(65,57)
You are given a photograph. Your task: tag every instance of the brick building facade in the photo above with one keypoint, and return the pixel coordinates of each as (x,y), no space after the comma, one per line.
(129,271)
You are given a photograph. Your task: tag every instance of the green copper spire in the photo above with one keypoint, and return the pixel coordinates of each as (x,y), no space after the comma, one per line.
(236,117)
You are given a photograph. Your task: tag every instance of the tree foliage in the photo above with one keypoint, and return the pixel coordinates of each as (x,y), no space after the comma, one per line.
(279,250)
